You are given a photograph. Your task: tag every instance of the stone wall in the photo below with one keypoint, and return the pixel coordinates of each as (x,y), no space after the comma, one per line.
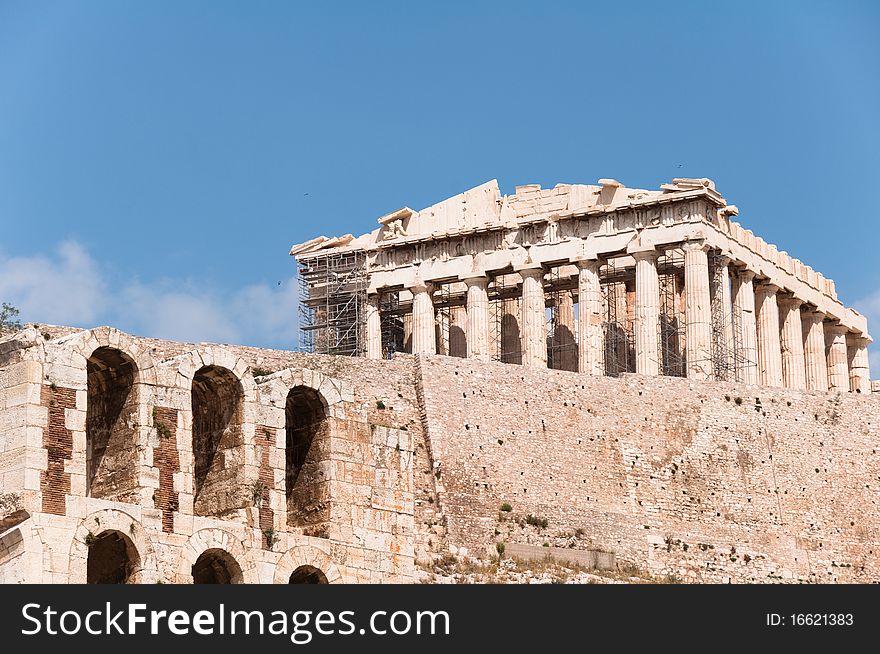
(708,481)
(183,453)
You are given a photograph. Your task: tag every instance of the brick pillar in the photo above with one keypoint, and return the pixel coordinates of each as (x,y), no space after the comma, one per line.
(590,351)
(563,336)
(374,327)
(533,320)
(794,374)
(424,337)
(815,362)
(697,310)
(859,373)
(647,314)
(769,349)
(477,318)
(744,306)
(838,366)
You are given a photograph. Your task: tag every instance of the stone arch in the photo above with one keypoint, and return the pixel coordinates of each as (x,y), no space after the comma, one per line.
(111,426)
(306,453)
(216,566)
(217,405)
(80,346)
(125,529)
(222,544)
(126,432)
(307,555)
(180,373)
(307,574)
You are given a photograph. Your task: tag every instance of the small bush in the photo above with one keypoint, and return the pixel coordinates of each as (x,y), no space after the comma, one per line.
(499,547)
(535,521)
(257,489)
(90,539)
(256,371)
(506,507)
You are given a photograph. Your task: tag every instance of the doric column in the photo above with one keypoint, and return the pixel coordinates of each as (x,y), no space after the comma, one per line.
(859,373)
(769,352)
(726,316)
(374,327)
(791,343)
(477,318)
(458,331)
(744,306)
(647,313)
(563,333)
(590,352)
(838,368)
(697,310)
(424,337)
(533,320)
(815,362)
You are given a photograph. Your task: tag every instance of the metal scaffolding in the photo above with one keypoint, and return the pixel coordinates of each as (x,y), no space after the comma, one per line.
(671,325)
(391,321)
(561,340)
(616,326)
(504,336)
(333,298)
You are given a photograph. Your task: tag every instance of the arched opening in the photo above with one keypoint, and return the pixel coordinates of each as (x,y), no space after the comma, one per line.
(217,442)
(111,432)
(216,566)
(113,559)
(306,480)
(308,574)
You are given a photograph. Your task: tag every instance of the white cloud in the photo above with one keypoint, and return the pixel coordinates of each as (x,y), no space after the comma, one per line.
(68,288)
(63,288)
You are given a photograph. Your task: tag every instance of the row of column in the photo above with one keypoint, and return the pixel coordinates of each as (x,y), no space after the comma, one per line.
(791,348)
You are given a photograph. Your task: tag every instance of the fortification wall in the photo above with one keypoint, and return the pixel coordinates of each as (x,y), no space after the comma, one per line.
(708,481)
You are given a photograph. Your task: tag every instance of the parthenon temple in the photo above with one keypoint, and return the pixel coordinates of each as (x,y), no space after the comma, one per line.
(598,279)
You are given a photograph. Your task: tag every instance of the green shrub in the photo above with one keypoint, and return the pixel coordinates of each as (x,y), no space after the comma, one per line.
(499,547)
(506,507)
(535,521)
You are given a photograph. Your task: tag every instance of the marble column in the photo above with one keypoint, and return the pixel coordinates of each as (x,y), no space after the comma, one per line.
(374,327)
(647,314)
(744,306)
(533,320)
(590,350)
(859,373)
(458,331)
(424,330)
(563,332)
(838,365)
(769,348)
(727,315)
(477,318)
(794,374)
(698,328)
(815,362)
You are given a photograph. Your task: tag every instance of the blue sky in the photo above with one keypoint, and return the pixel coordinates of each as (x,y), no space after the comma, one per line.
(157,159)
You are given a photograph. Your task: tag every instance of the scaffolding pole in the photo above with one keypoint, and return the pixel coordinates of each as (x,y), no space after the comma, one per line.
(333,298)
(617,328)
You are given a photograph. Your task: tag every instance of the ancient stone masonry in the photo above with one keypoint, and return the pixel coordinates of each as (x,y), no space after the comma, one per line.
(127,460)
(340,468)
(662,282)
